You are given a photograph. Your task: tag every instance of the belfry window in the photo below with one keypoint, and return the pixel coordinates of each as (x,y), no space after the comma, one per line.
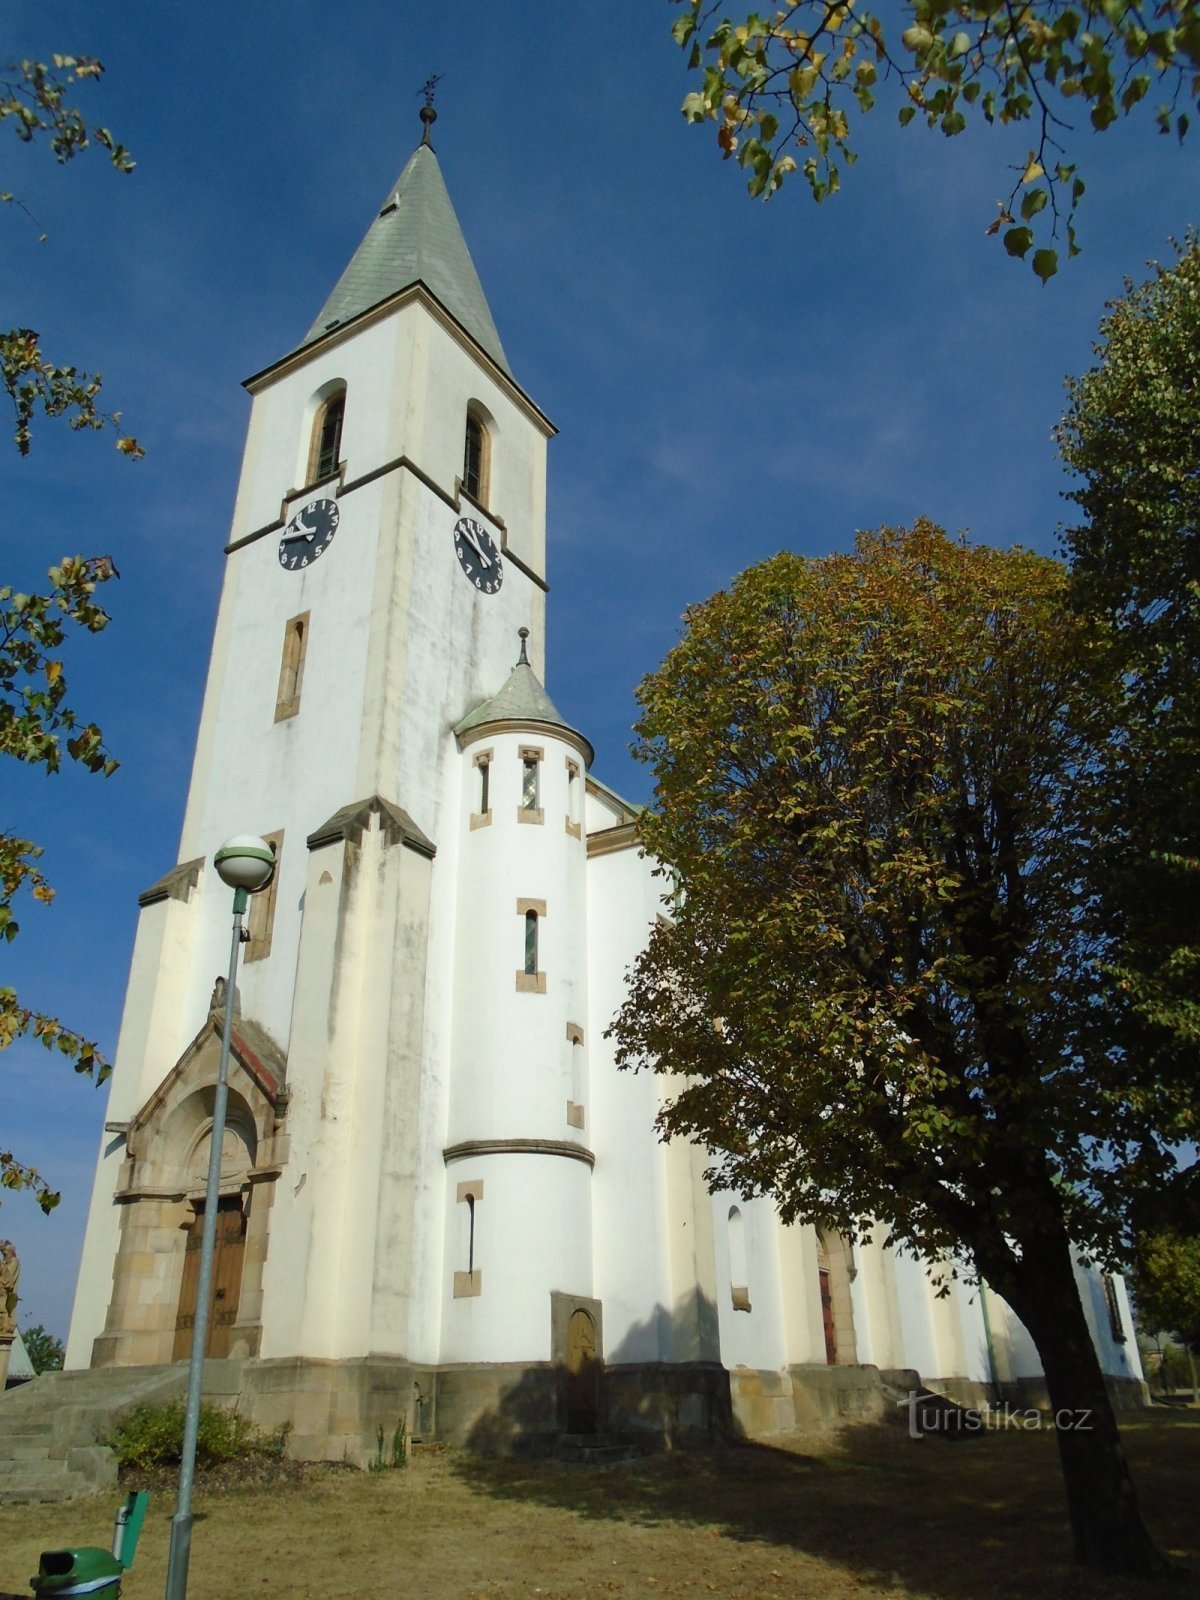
(475,459)
(327,438)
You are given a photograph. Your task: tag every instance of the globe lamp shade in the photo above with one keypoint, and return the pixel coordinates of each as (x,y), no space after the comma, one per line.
(245,862)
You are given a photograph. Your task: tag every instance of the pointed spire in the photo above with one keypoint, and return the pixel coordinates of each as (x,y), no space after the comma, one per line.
(416,238)
(522,659)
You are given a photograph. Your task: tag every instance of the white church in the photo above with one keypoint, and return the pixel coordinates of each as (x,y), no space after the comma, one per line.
(440,1202)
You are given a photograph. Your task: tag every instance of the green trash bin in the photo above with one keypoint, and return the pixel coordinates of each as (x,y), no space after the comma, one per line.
(64,1574)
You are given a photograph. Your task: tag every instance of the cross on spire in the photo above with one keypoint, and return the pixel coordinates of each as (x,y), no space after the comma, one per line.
(428,114)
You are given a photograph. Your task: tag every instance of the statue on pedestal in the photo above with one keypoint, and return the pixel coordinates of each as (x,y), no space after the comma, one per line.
(10,1272)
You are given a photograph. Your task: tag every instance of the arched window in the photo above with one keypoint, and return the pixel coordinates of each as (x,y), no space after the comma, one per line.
(325,451)
(476,454)
(739,1278)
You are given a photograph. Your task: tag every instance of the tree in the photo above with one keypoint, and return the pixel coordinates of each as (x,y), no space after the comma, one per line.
(795,76)
(1165,1280)
(1131,435)
(873,777)
(45,1352)
(37,725)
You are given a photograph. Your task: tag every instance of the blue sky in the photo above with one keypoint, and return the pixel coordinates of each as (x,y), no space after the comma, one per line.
(729,378)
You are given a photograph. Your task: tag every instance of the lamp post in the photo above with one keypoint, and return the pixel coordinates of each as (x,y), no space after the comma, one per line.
(246,864)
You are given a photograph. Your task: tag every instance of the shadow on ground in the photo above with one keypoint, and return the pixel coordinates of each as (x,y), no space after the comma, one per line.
(958,1521)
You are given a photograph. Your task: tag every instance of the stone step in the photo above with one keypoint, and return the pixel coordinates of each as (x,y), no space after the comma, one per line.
(25,1447)
(40,1480)
(25,1428)
(594,1450)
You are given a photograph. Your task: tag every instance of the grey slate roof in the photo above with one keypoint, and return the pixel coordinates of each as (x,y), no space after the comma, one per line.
(522,699)
(415,238)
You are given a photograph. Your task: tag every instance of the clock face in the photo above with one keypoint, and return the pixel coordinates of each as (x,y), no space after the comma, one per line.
(478,555)
(308,535)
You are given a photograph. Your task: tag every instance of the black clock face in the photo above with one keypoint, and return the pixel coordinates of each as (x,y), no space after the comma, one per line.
(478,555)
(308,535)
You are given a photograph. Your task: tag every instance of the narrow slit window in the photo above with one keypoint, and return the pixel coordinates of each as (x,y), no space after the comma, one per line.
(738,1275)
(530,979)
(573,807)
(291,667)
(481,803)
(468,1281)
(529,783)
(261,917)
(1112,1303)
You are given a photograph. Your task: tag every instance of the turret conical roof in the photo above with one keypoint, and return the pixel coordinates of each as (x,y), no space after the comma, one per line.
(416,238)
(523,699)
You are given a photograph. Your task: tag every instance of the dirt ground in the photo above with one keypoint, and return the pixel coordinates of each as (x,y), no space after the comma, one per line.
(871,1513)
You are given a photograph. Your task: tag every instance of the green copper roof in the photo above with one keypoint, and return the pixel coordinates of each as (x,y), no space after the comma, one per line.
(522,699)
(414,239)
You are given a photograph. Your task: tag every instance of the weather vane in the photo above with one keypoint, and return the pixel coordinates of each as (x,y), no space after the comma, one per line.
(428,114)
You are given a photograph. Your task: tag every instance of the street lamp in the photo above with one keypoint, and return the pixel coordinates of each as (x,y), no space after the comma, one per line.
(246,864)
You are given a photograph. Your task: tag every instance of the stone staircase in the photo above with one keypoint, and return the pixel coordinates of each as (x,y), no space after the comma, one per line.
(925,1411)
(49,1427)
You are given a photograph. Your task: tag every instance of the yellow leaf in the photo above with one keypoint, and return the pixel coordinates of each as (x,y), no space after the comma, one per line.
(53,671)
(1033,170)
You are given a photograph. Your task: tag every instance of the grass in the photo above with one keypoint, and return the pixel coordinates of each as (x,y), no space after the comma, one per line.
(872,1513)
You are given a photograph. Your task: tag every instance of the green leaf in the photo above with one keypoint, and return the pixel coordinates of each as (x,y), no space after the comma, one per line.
(1045,263)
(1018,240)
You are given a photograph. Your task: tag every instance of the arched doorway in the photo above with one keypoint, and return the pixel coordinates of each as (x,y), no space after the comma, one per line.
(229,1252)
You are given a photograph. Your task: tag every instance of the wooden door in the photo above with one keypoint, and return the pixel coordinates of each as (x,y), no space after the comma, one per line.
(583,1374)
(229,1251)
(827,1318)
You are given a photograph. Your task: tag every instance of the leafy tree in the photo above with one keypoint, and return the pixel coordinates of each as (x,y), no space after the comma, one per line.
(873,777)
(36,722)
(1165,1279)
(45,1352)
(794,77)
(1132,435)
(1166,1288)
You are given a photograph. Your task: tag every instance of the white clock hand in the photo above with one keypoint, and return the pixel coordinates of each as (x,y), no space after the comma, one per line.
(463,534)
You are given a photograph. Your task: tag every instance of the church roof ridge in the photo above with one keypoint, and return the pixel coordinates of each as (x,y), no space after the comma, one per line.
(415,238)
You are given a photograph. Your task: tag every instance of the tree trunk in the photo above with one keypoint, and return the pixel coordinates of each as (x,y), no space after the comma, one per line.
(1110,1536)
